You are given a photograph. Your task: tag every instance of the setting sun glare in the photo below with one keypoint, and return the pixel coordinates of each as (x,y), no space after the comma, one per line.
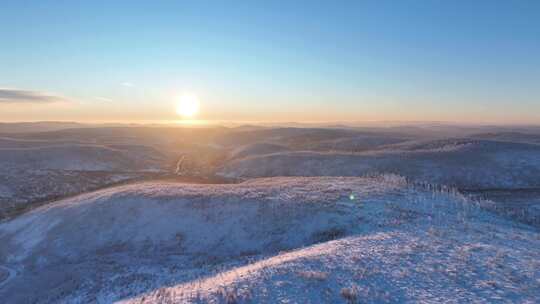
(188,106)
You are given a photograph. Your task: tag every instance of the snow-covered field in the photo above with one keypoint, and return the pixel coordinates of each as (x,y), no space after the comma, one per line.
(275,240)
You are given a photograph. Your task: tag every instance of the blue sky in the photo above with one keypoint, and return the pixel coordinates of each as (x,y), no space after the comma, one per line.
(465,61)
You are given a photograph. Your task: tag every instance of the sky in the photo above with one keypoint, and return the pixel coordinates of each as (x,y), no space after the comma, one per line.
(305,61)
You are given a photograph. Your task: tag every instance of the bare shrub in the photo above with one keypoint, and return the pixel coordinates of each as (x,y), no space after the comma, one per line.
(313,275)
(233,295)
(350,294)
(3,275)
(228,296)
(329,235)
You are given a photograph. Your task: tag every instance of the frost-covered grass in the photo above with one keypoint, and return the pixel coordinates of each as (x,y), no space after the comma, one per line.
(290,240)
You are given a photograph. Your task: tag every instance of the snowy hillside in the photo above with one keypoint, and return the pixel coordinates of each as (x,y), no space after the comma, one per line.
(18,143)
(34,171)
(510,137)
(468,164)
(294,240)
(10,128)
(257,149)
(293,137)
(74,157)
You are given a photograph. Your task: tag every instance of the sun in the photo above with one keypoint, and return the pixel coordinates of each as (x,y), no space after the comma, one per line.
(188,106)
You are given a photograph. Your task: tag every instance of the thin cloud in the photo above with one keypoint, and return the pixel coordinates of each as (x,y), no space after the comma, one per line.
(127,84)
(23,96)
(104,99)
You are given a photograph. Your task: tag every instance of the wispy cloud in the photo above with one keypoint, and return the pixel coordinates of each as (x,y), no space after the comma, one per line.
(127,84)
(23,96)
(103,99)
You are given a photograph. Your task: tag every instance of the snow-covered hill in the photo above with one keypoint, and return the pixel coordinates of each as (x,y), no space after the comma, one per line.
(32,171)
(75,157)
(533,137)
(468,164)
(295,240)
(256,149)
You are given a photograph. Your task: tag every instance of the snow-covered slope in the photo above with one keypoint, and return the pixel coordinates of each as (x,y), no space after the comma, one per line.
(72,157)
(188,218)
(363,142)
(295,240)
(44,126)
(257,149)
(470,164)
(431,266)
(20,143)
(533,138)
(284,136)
(33,171)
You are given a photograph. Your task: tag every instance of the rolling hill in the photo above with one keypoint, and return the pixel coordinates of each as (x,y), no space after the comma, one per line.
(267,240)
(462,163)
